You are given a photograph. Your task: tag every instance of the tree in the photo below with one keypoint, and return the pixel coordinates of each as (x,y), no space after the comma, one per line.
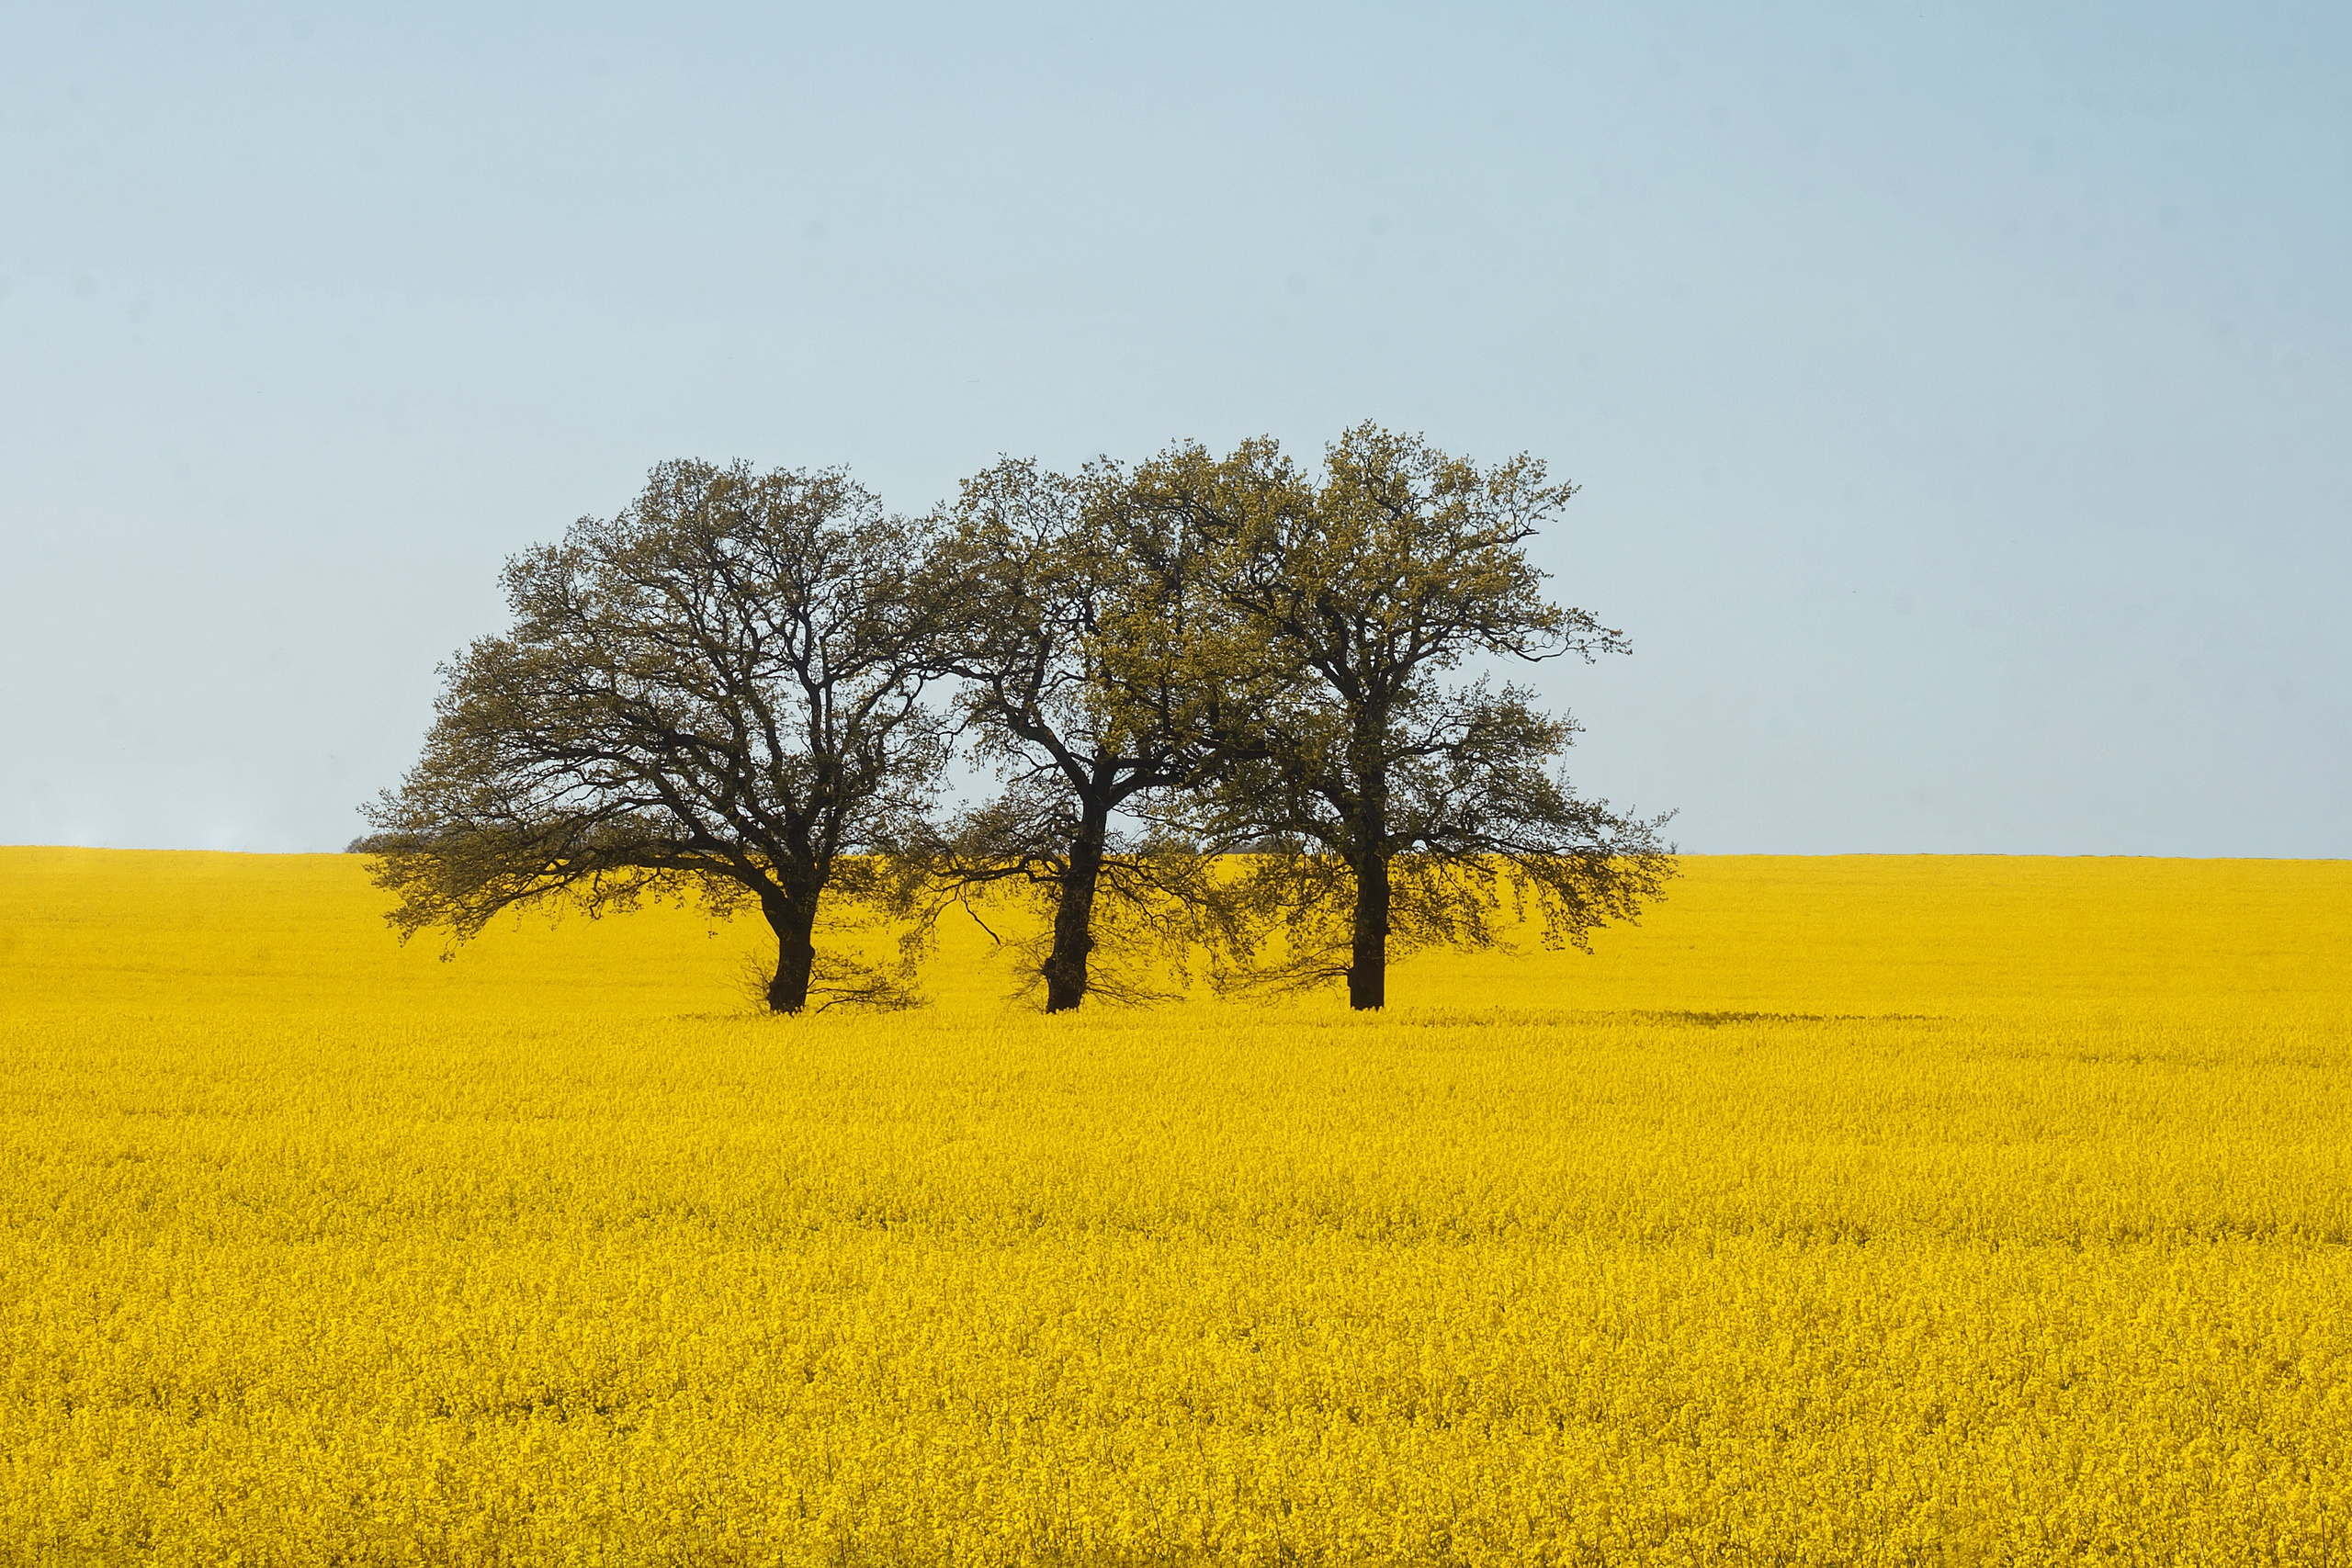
(717,691)
(1070,608)
(1406,809)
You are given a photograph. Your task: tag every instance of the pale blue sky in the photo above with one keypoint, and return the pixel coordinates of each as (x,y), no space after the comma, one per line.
(1962,395)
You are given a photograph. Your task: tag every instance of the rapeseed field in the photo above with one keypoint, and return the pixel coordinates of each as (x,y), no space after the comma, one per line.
(1864,1211)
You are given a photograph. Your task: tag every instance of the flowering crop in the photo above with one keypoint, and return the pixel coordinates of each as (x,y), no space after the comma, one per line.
(1869,1211)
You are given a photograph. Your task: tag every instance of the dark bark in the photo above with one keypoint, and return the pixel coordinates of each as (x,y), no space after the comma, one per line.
(1064,967)
(1368,962)
(794,920)
(1368,951)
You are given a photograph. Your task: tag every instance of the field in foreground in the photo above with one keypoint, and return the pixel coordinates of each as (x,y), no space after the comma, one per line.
(1852,1210)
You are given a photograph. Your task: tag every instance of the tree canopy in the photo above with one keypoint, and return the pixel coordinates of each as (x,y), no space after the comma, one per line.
(720,688)
(745,687)
(1073,612)
(1425,803)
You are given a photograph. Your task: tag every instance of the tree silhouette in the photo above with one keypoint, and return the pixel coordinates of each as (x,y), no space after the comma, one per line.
(1402,805)
(719,689)
(1071,609)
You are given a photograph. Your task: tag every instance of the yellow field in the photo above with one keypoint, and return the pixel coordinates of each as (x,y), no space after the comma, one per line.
(1852,1211)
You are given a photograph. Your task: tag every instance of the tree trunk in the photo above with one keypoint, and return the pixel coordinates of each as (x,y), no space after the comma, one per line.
(1064,967)
(1368,965)
(1368,854)
(792,919)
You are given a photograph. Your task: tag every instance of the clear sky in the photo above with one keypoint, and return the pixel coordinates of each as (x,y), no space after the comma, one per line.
(1962,395)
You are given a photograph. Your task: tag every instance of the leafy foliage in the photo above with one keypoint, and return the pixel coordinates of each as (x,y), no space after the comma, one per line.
(721,694)
(1074,614)
(717,691)
(1404,809)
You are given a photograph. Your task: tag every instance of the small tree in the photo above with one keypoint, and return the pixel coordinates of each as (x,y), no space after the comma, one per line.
(719,690)
(1405,809)
(1071,613)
